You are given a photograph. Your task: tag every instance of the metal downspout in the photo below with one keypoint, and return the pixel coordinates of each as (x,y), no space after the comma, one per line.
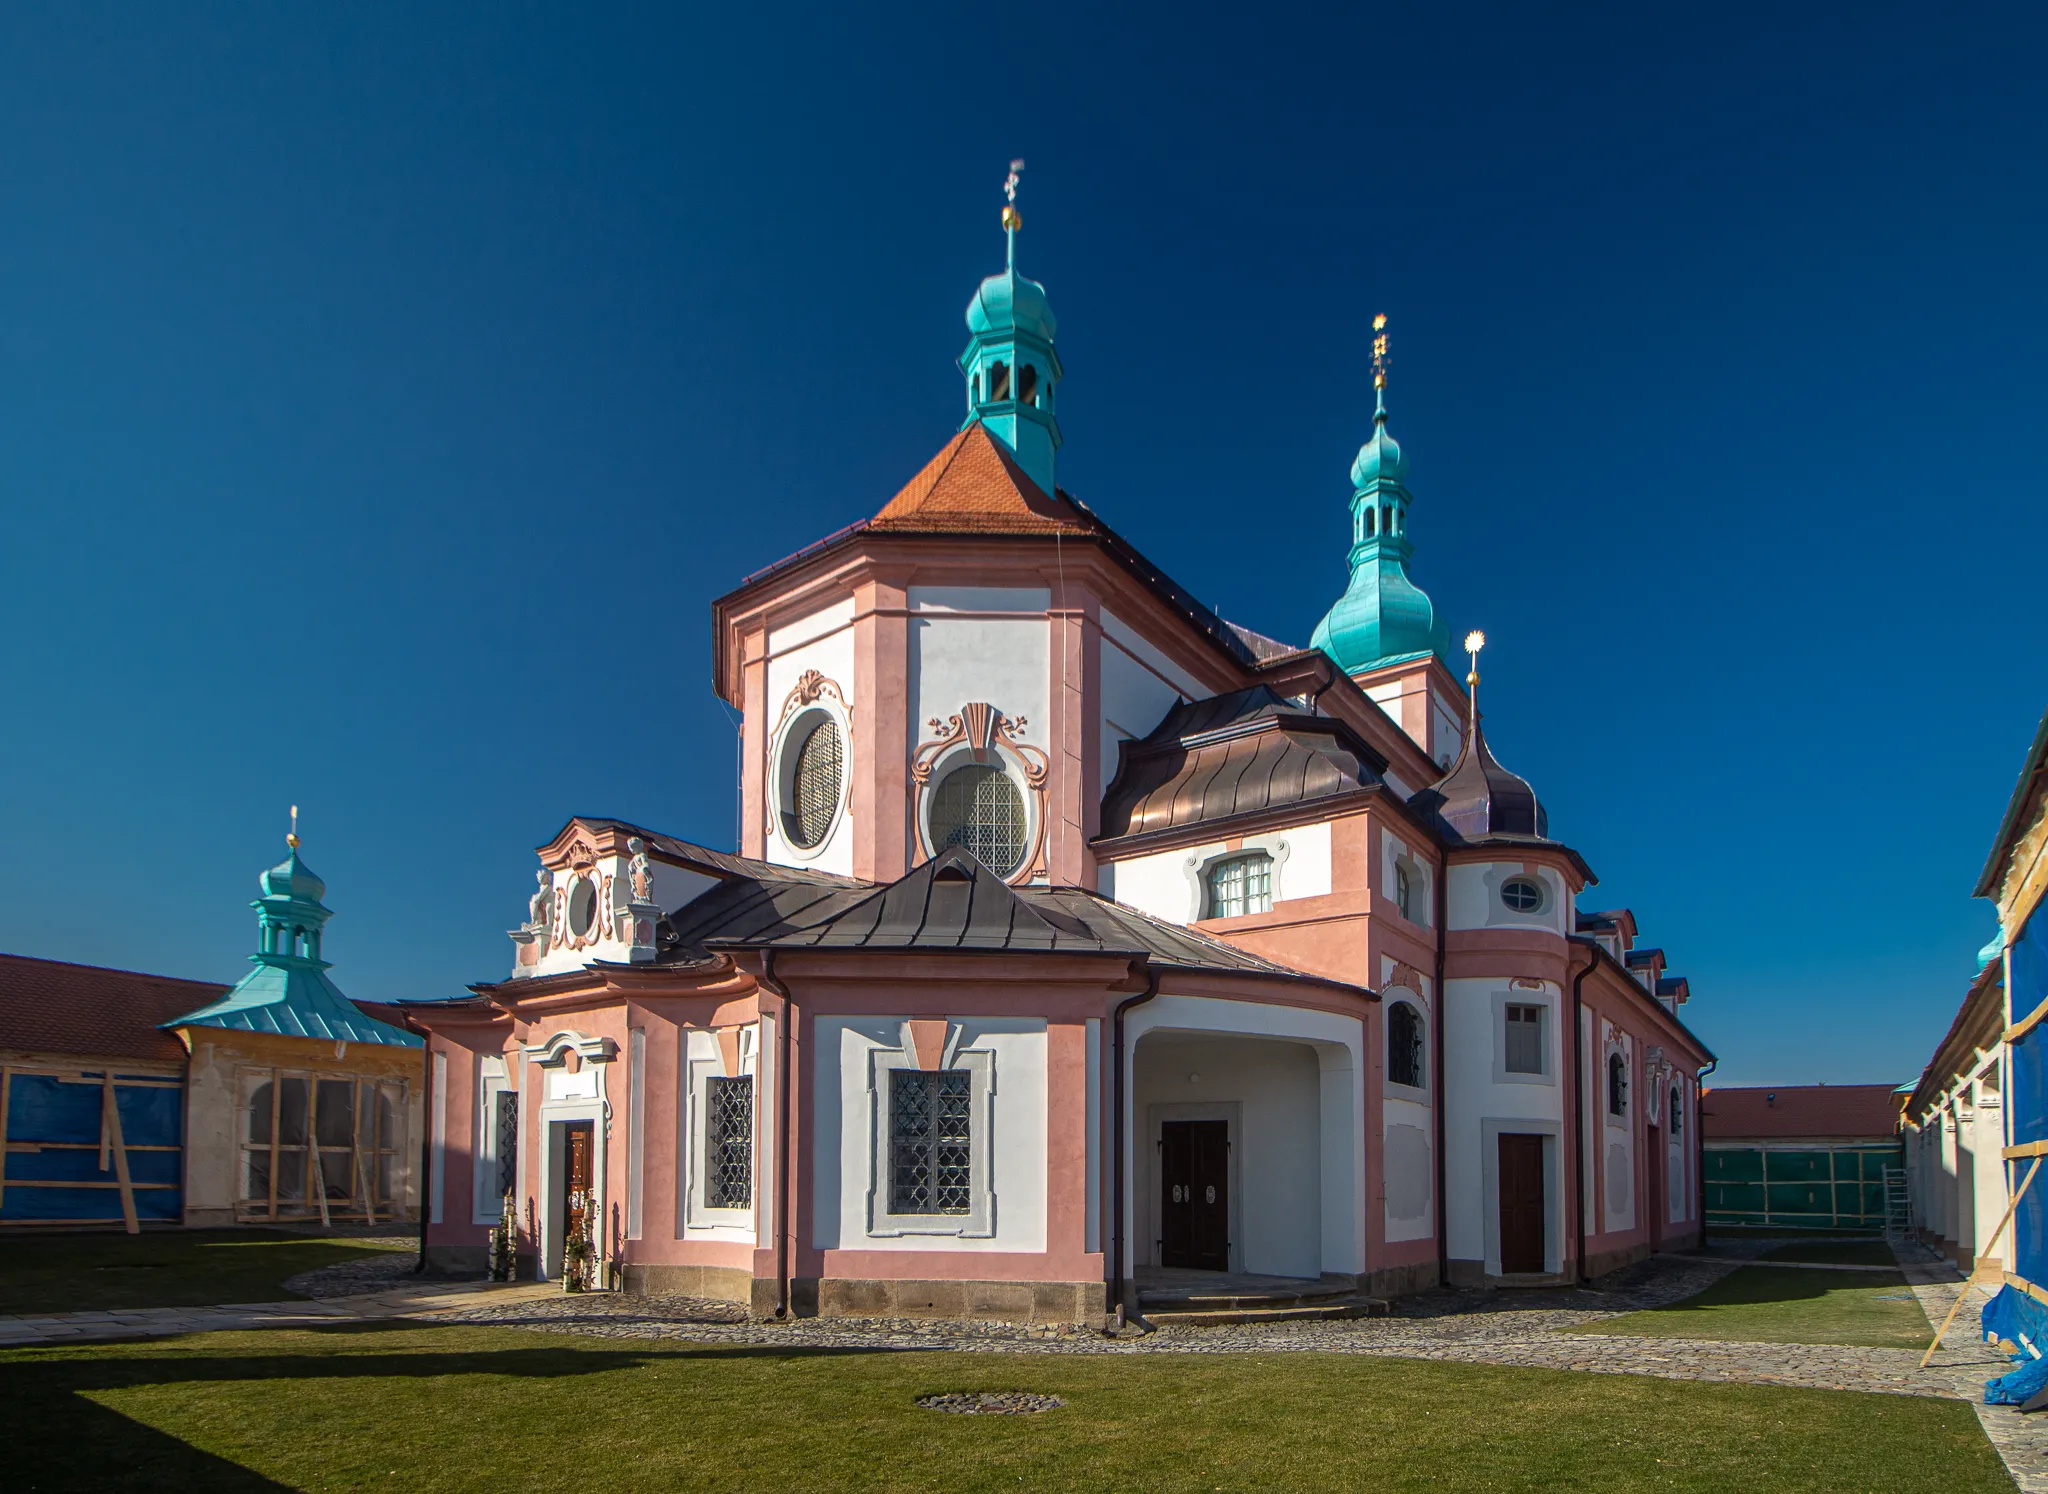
(1117,1148)
(1579,1163)
(783,1088)
(426,1135)
(1443,1244)
(1699,1150)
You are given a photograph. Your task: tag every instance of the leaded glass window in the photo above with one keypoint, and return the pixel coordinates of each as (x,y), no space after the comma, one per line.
(1617,1085)
(507,1101)
(729,1142)
(1525,1040)
(1677,1113)
(1242,884)
(978,806)
(1404,1045)
(931,1168)
(815,784)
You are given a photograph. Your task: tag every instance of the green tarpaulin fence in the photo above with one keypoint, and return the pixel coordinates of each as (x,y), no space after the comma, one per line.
(1811,1188)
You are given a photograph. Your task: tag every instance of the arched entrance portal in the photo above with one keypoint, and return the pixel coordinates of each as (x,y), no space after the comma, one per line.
(1244,1135)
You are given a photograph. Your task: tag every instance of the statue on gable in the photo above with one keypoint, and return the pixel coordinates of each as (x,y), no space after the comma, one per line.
(540,907)
(640,871)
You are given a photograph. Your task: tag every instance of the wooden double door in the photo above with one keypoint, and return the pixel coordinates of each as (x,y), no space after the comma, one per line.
(1194,1194)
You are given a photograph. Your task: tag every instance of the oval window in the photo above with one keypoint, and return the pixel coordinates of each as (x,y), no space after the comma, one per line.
(814,785)
(1523,894)
(978,806)
(582,906)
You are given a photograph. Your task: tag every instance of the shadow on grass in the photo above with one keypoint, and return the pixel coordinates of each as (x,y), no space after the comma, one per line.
(60,1438)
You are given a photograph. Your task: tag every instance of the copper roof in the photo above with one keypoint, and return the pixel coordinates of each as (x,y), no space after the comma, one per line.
(1229,755)
(1852,1112)
(1479,797)
(48,1006)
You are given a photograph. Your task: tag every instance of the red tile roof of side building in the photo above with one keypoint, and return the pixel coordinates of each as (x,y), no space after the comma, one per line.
(49,1006)
(1777,1112)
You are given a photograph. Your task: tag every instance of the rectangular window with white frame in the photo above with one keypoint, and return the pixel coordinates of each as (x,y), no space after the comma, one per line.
(930,1171)
(497,1138)
(1524,1038)
(721,1124)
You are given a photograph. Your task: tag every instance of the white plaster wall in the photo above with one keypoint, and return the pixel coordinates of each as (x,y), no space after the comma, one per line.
(1171,884)
(1473,892)
(1276,1151)
(1422,888)
(1616,1134)
(822,641)
(1410,1185)
(1474,1045)
(843,1139)
(1449,715)
(1135,699)
(1989,1191)
(1338,1045)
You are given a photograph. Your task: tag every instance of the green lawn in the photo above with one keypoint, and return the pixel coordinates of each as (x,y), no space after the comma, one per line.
(188,1268)
(1762,1304)
(414,1409)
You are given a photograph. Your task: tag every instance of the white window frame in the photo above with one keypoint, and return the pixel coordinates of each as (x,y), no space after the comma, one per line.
(795,731)
(1546,1003)
(493,1078)
(703,1062)
(979,1222)
(1244,856)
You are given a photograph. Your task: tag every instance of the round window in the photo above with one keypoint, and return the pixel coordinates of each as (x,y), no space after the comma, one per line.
(814,782)
(1523,894)
(582,906)
(978,807)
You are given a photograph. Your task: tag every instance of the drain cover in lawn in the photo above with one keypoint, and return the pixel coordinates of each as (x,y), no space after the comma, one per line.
(991,1403)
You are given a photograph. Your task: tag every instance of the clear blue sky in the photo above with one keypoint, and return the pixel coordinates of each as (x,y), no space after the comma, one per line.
(386,390)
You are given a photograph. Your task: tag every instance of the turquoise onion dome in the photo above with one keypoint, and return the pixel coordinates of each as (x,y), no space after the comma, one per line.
(1009,302)
(1380,457)
(1993,949)
(1383,617)
(291,877)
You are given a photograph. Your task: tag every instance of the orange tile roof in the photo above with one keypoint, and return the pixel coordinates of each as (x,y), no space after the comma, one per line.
(974,486)
(1767,1112)
(48,1006)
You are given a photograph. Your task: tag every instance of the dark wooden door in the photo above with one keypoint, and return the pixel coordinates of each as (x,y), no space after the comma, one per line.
(1194,1207)
(1521,1204)
(576,1139)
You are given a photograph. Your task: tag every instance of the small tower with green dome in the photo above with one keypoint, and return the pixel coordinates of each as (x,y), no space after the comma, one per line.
(1383,618)
(1010,366)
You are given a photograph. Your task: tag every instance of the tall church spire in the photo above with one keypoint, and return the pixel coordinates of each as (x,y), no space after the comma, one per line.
(1010,365)
(1383,617)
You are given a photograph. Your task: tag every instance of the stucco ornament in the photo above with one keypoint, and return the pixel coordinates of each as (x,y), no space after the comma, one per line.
(540,908)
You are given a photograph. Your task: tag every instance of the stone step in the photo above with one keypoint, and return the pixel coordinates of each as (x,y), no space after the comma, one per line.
(1200,1301)
(1321,1308)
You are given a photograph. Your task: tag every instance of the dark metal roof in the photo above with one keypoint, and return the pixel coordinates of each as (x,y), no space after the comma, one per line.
(1479,797)
(718,863)
(1596,923)
(2017,812)
(1228,755)
(1673,985)
(1636,957)
(953,902)
(755,908)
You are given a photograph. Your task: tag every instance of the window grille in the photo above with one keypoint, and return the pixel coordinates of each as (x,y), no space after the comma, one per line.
(1677,1113)
(1525,1040)
(930,1141)
(814,792)
(1404,1045)
(1241,884)
(978,806)
(1617,1085)
(729,1142)
(507,1101)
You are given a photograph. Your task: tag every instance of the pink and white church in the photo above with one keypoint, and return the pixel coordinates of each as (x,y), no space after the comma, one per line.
(1079,941)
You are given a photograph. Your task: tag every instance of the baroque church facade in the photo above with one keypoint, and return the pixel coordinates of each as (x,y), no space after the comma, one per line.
(1079,942)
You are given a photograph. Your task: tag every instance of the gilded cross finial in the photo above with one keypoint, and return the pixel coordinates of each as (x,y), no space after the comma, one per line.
(1379,351)
(1474,642)
(1012,219)
(292,839)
